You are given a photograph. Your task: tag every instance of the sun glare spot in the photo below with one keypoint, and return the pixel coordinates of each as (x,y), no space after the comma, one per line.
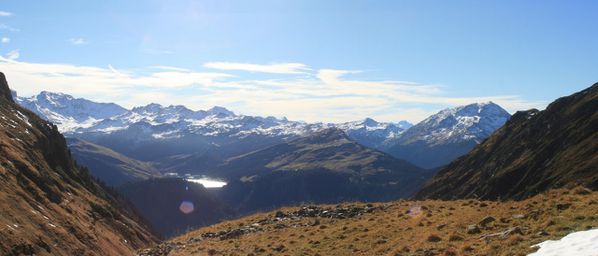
(186,207)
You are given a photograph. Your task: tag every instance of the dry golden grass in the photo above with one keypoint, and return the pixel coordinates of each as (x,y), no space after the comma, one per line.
(409,228)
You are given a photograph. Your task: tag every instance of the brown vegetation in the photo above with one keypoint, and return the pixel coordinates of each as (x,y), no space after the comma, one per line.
(429,227)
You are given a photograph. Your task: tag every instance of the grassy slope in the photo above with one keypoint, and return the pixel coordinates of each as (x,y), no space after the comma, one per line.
(399,229)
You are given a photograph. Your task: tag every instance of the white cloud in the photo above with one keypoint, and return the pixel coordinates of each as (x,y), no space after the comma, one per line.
(13,55)
(78,41)
(171,68)
(5,40)
(325,95)
(96,82)
(5,14)
(281,68)
(8,28)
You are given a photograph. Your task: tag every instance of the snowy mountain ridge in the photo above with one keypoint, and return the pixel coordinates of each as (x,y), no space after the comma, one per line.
(77,116)
(470,122)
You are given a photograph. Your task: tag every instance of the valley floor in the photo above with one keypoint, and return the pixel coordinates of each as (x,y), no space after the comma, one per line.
(430,227)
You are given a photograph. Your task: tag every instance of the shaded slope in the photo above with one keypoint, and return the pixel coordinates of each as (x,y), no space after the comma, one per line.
(109,166)
(160,202)
(533,152)
(49,206)
(323,167)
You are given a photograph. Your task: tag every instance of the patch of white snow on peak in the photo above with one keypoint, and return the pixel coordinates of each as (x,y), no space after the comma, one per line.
(582,243)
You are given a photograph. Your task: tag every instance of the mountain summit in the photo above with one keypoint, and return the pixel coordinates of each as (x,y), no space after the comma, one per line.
(450,133)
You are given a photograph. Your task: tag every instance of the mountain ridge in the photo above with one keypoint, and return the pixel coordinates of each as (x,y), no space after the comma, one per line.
(303,170)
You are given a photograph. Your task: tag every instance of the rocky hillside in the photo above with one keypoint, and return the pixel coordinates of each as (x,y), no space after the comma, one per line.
(324,167)
(534,151)
(430,227)
(50,206)
(112,168)
(453,132)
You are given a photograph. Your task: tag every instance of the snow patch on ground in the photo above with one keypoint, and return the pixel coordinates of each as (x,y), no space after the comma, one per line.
(583,243)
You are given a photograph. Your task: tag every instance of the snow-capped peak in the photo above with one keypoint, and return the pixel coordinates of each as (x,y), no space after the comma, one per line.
(470,122)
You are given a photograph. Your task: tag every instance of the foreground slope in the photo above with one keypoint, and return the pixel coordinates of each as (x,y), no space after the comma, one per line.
(109,166)
(462,227)
(49,206)
(533,152)
(324,167)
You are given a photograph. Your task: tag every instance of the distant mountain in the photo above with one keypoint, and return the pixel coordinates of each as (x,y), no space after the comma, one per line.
(174,206)
(74,116)
(176,138)
(324,167)
(179,139)
(534,151)
(111,167)
(450,133)
(67,112)
(51,206)
(373,134)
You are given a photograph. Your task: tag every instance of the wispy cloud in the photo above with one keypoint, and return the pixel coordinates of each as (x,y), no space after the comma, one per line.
(90,81)
(5,40)
(78,41)
(8,28)
(5,14)
(280,68)
(328,95)
(13,55)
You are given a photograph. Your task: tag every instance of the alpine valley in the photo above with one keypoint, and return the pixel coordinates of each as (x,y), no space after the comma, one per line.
(259,158)
(168,180)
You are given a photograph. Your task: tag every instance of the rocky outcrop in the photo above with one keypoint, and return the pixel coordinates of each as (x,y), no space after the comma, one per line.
(5,92)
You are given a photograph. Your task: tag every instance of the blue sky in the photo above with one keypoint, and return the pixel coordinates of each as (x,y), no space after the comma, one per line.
(309,60)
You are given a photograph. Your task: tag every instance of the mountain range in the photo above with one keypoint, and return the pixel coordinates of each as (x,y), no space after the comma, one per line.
(176,138)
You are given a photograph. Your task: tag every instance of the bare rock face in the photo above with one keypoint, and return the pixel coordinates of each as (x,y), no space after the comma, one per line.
(5,92)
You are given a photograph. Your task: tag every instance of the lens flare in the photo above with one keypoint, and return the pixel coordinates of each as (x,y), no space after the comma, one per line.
(186,207)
